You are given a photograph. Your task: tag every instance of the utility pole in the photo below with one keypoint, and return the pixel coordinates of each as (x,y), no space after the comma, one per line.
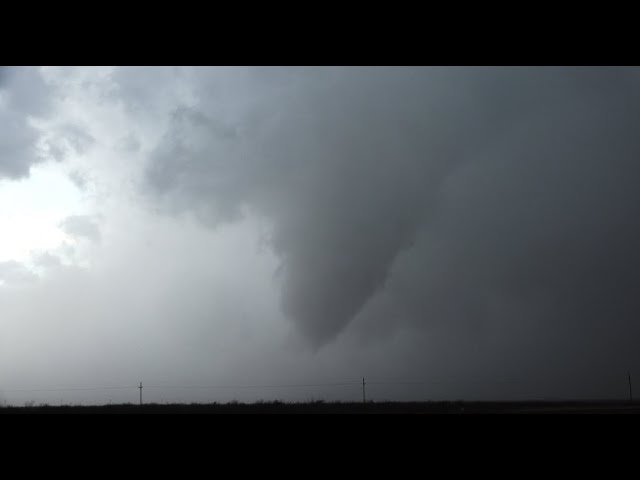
(630,392)
(364,400)
(140,387)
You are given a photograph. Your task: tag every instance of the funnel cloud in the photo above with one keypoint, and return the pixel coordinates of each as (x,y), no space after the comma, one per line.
(439,190)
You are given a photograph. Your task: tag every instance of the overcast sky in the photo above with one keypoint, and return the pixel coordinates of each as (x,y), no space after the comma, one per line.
(446,233)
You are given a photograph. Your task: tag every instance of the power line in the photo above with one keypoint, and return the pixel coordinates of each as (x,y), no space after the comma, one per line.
(240,386)
(179,387)
(349,384)
(65,389)
(434,382)
(364,400)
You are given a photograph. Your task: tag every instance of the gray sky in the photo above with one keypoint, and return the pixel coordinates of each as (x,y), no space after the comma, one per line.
(472,230)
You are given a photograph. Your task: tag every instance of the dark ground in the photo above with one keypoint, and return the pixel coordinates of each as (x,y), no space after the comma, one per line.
(597,407)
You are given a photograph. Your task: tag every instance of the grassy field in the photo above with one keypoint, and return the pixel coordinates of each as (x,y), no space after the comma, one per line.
(569,407)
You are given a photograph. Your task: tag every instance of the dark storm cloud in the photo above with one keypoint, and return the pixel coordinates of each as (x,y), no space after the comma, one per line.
(23,93)
(460,198)
(17,147)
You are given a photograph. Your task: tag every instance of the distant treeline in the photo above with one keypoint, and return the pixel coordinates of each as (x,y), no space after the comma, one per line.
(320,407)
